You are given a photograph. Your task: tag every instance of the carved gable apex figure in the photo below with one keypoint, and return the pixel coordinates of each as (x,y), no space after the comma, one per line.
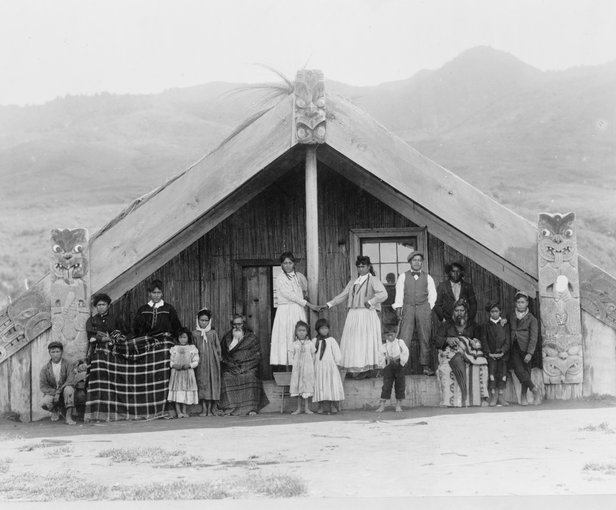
(309,100)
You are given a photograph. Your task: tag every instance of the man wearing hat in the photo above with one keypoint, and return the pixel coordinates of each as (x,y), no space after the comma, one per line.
(56,384)
(415,298)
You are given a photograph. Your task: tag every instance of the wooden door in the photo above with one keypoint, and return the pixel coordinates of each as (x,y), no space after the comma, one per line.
(257,283)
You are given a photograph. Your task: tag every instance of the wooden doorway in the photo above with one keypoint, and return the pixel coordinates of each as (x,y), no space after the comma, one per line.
(257,301)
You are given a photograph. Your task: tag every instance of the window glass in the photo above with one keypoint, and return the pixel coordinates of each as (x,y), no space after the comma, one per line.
(388,252)
(371,249)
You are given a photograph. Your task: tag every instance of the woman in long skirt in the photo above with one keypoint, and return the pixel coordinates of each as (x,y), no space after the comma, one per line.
(291,288)
(208,370)
(361,336)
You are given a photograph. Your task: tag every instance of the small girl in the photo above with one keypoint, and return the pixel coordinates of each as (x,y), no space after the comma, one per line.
(183,384)
(301,356)
(208,371)
(327,384)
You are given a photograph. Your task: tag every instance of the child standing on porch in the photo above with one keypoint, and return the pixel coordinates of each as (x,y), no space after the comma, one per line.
(394,356)
(327,381)
(183,388)
(301,356)
(495,343)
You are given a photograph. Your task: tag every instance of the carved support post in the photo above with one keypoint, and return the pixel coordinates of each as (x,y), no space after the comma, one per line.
(312,226)
(559,294)
(70,290)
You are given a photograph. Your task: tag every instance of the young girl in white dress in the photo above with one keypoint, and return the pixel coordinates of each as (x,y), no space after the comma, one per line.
(302,374)
(291,287)
(327,381)
(183,389)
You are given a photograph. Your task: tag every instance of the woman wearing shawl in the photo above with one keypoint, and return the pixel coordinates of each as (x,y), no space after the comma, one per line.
(291,287)
(361,336)
(208,371)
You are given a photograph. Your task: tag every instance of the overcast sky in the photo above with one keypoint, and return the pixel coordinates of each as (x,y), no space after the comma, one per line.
(51,48)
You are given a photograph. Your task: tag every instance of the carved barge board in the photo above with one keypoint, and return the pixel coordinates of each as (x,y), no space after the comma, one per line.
(598,292)
(559,294)
(70,290)
(24,319)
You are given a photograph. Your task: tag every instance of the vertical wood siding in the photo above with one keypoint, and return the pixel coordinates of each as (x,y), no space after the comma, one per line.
(209,272)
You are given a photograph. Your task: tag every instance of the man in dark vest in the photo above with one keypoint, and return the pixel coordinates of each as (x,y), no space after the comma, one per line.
(452,290)
(415,297)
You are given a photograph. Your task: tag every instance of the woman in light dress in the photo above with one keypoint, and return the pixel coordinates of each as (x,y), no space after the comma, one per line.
(361,336)
(291,288)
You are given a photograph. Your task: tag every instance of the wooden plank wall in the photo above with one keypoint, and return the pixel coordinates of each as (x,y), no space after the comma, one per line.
(207,273)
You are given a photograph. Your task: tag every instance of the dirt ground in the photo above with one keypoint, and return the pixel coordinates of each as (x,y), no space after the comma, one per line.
(558,448)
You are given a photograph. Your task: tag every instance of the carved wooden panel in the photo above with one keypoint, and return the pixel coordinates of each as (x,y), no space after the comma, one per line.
(70,284)
(23,320)
(309,100)
(598,293)
(559,293)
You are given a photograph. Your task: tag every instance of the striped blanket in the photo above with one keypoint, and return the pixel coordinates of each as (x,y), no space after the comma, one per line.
(129,380)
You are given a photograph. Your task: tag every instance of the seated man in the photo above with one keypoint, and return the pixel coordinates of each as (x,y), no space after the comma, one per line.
(56,384)
(462,367)
(242,389)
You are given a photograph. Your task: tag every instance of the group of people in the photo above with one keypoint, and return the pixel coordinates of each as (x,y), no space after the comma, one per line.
(473,360)
(223,374)
(220,374)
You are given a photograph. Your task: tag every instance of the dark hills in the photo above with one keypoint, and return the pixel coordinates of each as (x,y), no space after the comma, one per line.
(534,140)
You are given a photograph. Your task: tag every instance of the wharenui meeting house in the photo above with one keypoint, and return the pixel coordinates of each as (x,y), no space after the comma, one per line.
(315,175)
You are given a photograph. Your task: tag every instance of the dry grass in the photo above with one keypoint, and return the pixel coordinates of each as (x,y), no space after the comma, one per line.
(4,465)
(604,468)
(45,443)
(602,427)
(68,487)
(153,455)
(62,451)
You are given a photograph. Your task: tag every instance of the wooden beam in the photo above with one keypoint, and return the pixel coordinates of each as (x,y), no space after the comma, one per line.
(167,212)
(352,132)
(200,226)
(436,226)
(312,224)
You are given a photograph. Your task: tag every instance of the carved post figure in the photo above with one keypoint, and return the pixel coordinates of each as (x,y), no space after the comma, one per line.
(559,294)
(309,100)
(70,282)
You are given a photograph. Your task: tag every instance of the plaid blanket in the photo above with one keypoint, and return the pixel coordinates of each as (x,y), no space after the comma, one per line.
(129,380)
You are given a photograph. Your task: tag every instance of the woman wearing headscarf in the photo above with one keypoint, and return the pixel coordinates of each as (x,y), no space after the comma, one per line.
(208,370)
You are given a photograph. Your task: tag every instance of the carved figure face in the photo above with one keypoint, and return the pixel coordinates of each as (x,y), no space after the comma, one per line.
(67,247)
(562,367)
(310,106)
(557,239)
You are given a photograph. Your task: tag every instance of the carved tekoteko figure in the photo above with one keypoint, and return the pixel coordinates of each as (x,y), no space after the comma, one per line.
(559,293)
(70,290)
(310,107)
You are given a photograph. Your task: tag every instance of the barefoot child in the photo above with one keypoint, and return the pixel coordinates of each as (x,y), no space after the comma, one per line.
(394,356)
(327,382)
(182,383)
(301,356)
(208,370)
(495,343)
